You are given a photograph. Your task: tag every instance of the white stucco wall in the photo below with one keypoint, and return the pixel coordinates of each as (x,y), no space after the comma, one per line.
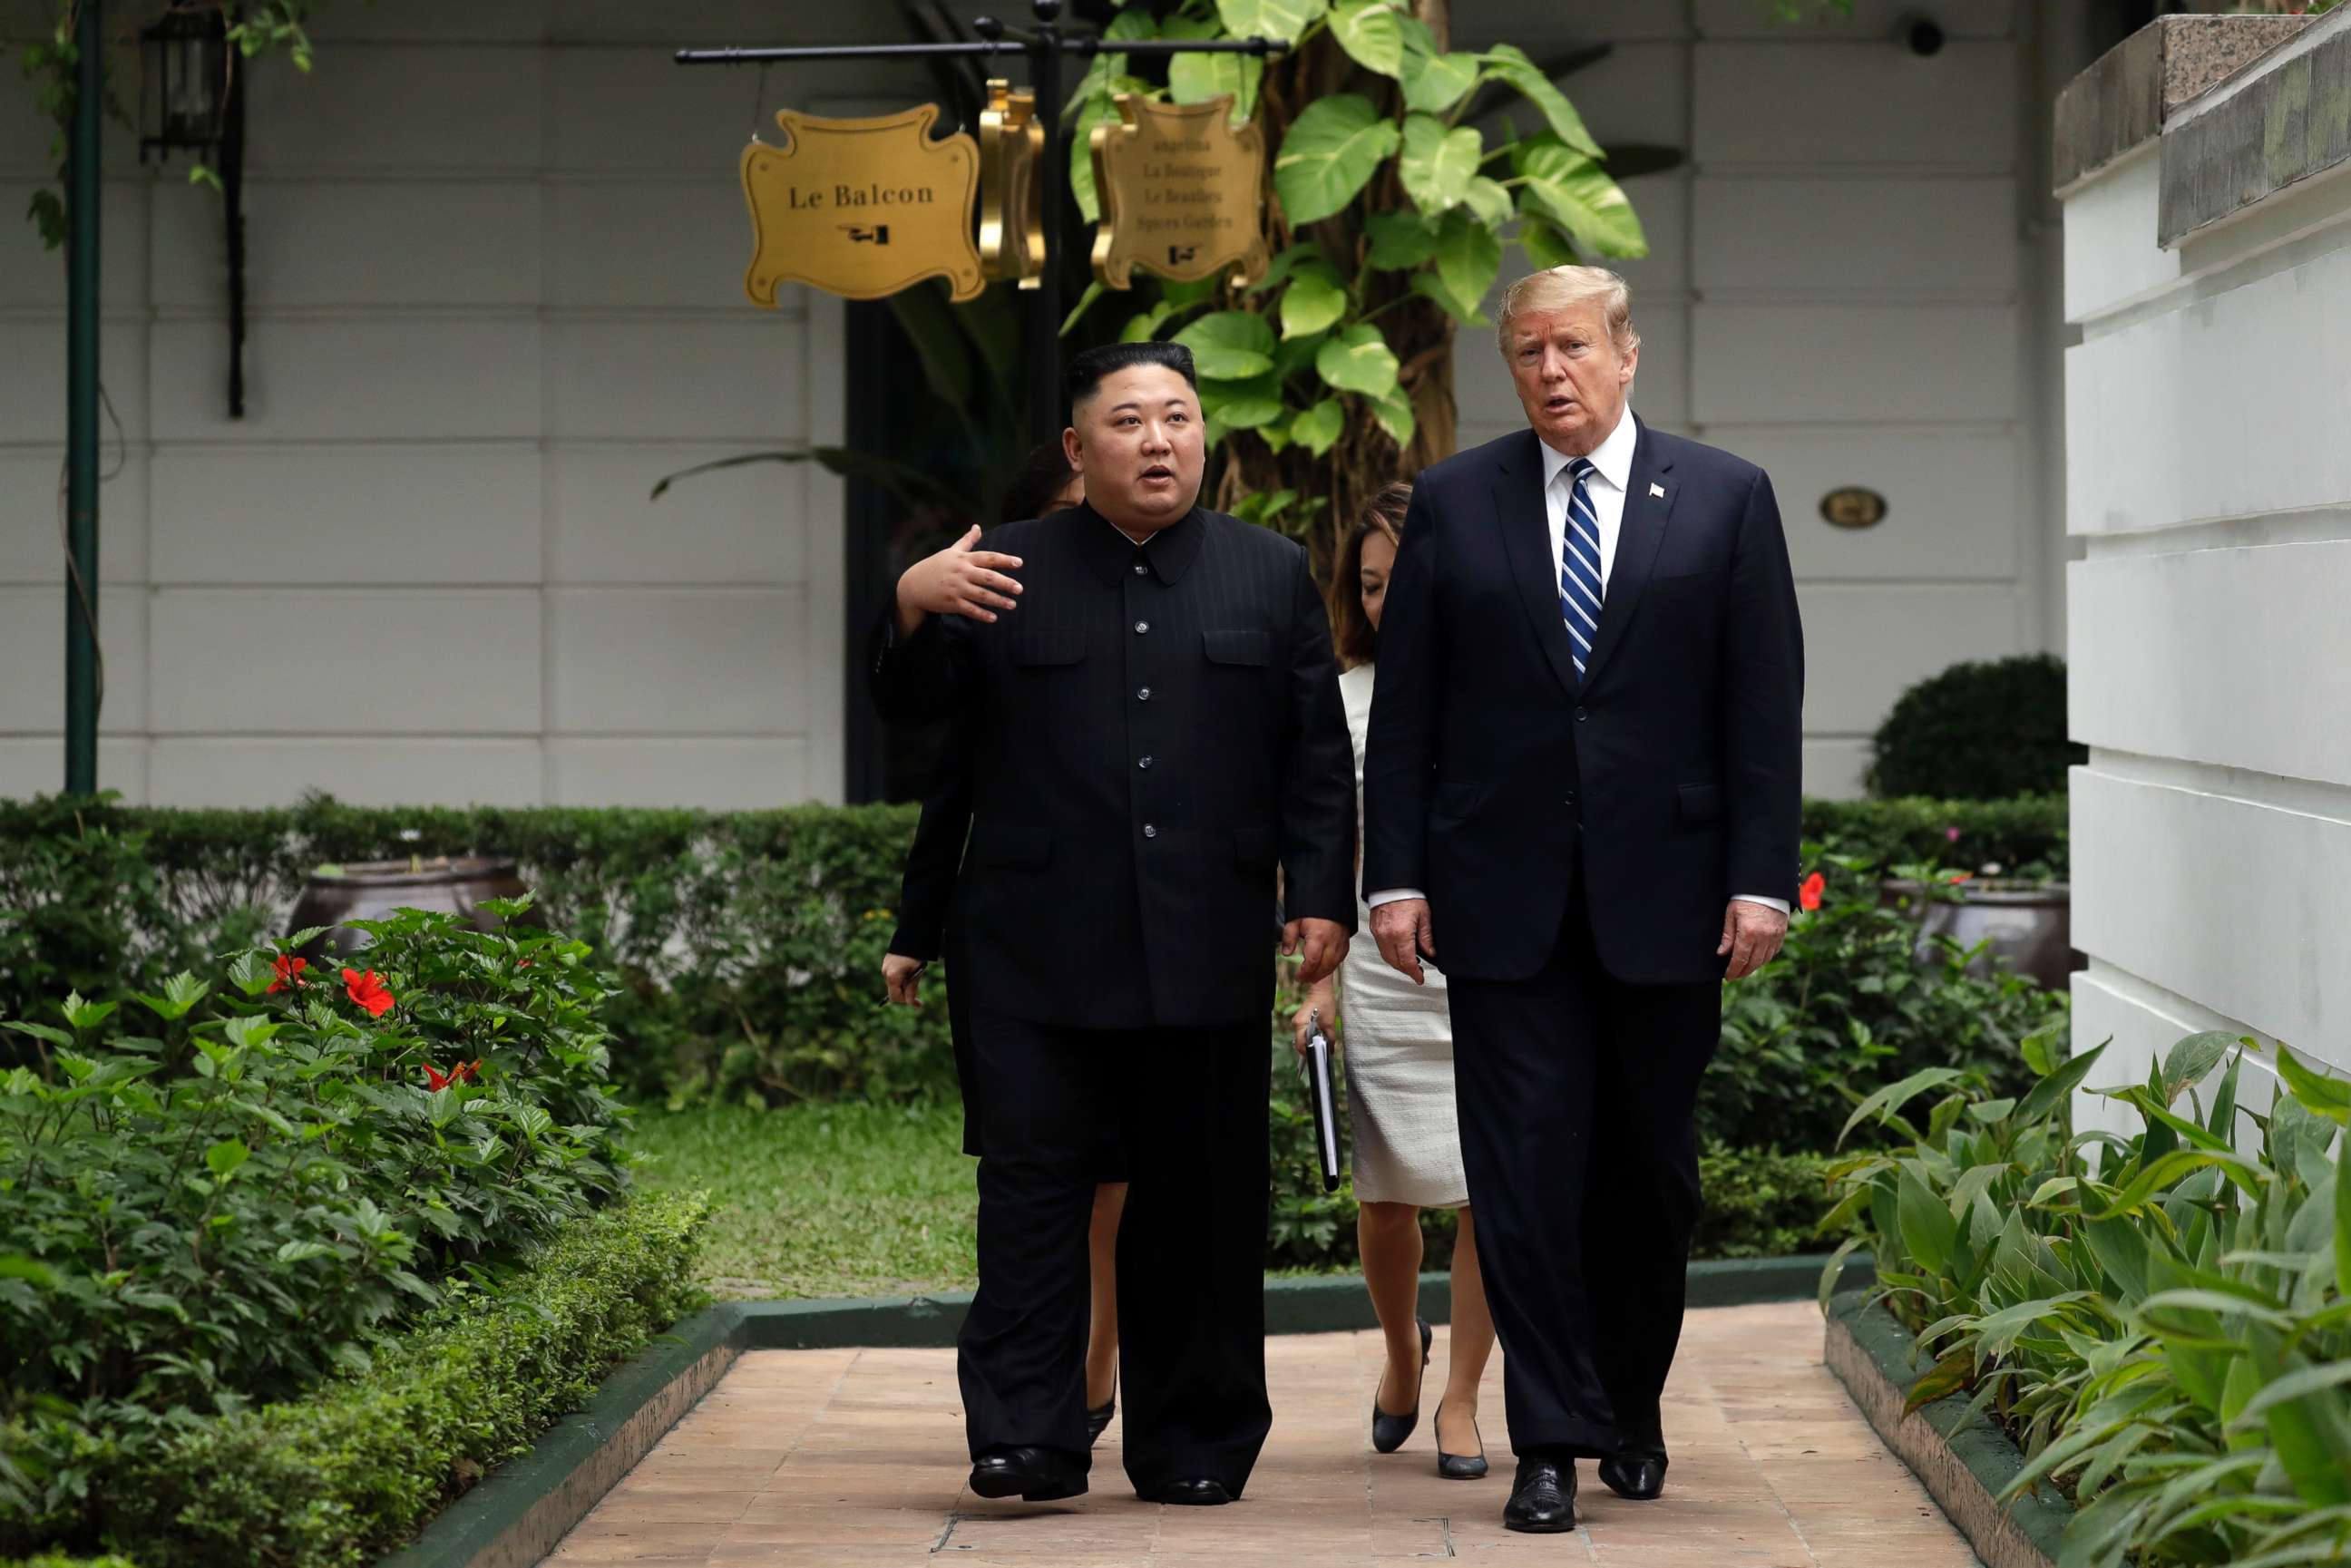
(2209,481)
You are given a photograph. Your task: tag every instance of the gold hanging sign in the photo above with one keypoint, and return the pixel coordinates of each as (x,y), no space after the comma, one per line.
(1011,152)
(861,208)
(1182,193)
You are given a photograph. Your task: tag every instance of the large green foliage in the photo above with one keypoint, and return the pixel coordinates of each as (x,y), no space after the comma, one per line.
(1978,731)
(213,1193)
(2160,1319)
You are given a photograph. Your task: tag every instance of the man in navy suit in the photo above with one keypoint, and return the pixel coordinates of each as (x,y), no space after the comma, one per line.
(1581,796)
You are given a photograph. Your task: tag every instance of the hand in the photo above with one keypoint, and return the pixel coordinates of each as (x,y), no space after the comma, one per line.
(904,976)
(1751,936)
(1405,931)
(1323,998)
(959,580)
(1324,943)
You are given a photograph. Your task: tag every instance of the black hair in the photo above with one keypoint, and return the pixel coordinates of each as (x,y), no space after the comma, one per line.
(1088,367)
(1044,474)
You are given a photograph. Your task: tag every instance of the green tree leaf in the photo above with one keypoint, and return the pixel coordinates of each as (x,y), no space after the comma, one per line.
(1371,34)
(1468,258)
(1281,20)
(2330,1097)
(1401,240)
(1394,412)
(1438,164)
(1242,404)
(1318,428)
(2191,1059)
(226,1156)
(1489,199)
(1510,63)
(1195,78)
(1434,83)
(1313,302)
(1358,359)
(1929,1232)
(1099,111)
(1431,286)
(1574,193)
(1330,152)
(1230,345)
(1541,238)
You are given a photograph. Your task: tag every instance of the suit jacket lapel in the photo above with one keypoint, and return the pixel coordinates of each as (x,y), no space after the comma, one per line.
(1525,525)
(1637,538)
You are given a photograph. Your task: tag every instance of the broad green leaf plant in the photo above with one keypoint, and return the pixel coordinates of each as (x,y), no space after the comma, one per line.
(2160,1320)
(1398,169)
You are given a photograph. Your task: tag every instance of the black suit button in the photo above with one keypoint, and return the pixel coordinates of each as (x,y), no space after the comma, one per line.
(1141,569)
(1145,696)
(1150,831)
(1570,801)
(1140,627)
(1580,715)
(1143,762)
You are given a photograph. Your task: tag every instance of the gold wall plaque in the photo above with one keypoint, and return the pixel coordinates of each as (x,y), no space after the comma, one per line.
(1011,151)
(1854,507)
(1183,193)
(861,208)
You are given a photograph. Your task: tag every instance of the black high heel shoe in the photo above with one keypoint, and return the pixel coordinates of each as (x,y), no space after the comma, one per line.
(1463,1467)
(1097,1418)
(1388,1432)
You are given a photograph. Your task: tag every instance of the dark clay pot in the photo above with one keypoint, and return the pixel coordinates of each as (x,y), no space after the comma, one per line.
(2029,924)
(371,890)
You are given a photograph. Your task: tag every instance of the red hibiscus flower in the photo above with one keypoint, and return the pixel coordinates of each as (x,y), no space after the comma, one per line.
(1959,876)
(289,972)
(1809,895)
(463,1073)
(368,991)
(436,1080)
(468,1071)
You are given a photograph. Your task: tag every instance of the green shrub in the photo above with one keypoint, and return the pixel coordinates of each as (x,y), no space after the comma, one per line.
(250,1197)
(351,1469)
(1847,1006)
(1759,1203)
(2160,1320)
(2025,837)
(1979,731)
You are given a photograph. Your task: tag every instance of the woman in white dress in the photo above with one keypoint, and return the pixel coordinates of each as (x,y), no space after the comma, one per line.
(1397,1040)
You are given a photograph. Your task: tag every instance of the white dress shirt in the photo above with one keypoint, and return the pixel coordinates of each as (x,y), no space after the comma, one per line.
(1612,462)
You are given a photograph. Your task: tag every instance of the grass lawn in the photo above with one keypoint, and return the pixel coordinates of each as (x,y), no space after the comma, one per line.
(822,1200)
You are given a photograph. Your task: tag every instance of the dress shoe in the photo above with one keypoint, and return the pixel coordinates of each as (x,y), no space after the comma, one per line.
(1542,1498)
(1034,1475)
(1463,1467)
(1201,1492)
(1388,1432)
(1098,1417)
(1638,1477)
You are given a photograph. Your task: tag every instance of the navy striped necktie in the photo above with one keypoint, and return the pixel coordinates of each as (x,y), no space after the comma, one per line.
(1579,562)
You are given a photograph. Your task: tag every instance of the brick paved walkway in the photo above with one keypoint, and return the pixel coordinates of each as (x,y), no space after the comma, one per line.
(856,1456)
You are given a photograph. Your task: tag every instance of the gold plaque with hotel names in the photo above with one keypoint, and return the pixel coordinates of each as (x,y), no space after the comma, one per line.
(1011,153)
(1182,193)
(861,208)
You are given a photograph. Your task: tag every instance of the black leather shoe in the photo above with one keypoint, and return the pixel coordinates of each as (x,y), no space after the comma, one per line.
(1388,1432)
(1463,1467)
(1542,1498)
(1098,1417)
(1034,1475)
(1200,1493)
(1638,1477)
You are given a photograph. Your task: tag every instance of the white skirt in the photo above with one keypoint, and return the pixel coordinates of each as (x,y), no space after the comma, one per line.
(1397,1039)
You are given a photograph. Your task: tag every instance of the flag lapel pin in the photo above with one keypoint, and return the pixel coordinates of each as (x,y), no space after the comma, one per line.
(1657,489)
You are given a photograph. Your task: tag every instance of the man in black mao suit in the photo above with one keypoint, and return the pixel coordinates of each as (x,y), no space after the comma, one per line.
(1155,728)
(1580,795)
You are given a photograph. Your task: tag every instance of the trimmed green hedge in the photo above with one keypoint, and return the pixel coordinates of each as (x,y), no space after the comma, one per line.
(750,942)
(351,1471)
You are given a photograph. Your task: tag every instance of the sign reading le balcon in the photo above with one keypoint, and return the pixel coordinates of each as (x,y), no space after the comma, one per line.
(863,208)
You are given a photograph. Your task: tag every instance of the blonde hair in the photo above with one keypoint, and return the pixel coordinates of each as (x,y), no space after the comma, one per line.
(1557,288)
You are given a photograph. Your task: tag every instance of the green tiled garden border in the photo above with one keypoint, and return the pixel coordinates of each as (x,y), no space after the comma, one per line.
(1961,1458)
(518,1514)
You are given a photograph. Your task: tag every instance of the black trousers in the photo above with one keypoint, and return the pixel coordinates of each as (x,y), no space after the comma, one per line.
(1189,1106)
(1575,1093)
